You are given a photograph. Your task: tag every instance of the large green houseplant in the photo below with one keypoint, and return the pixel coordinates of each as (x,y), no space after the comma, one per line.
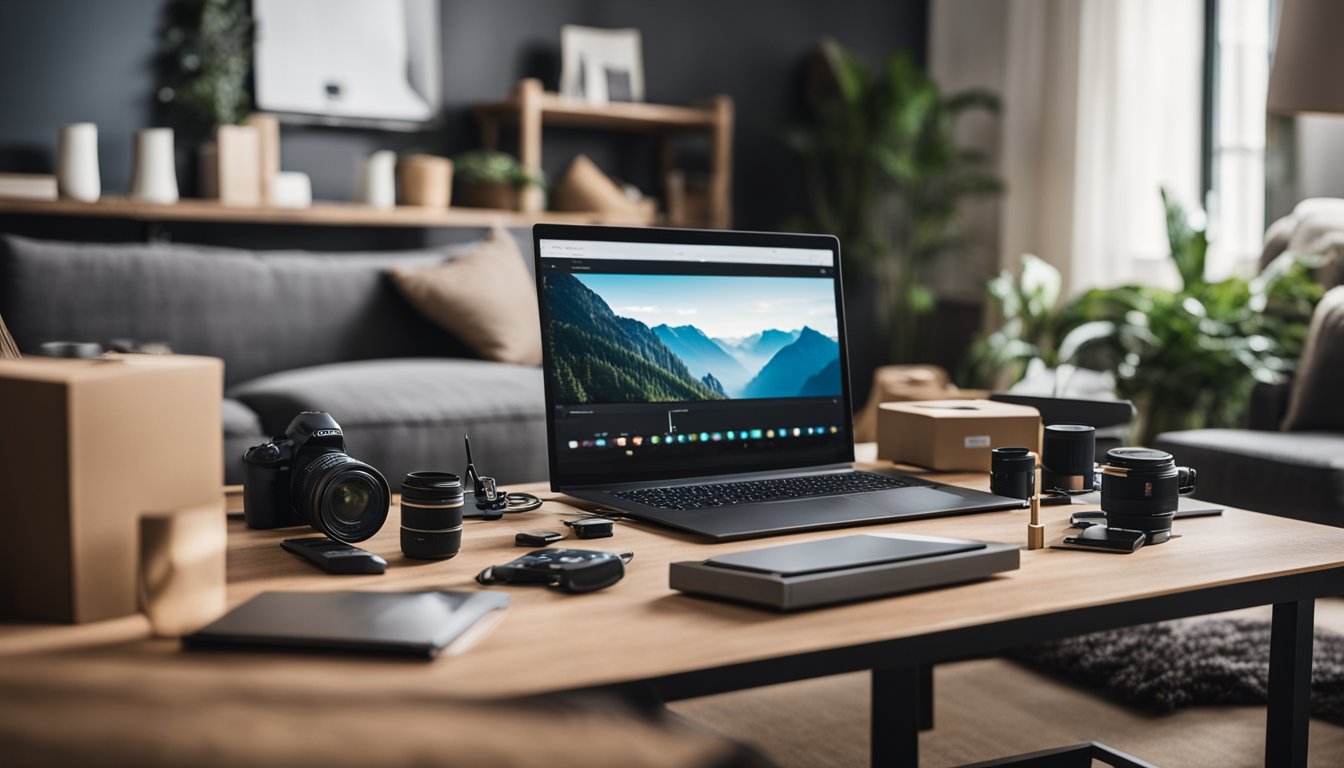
(885,175)
(1188,357)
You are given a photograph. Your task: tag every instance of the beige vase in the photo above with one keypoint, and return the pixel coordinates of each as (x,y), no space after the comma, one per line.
(427,181)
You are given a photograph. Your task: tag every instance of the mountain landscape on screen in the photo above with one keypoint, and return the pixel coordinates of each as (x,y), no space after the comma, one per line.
(600,356)
(702,356)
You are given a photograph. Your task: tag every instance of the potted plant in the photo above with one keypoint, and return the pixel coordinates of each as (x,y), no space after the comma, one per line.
(1188,357)
(488,179)
(204,63)
(885,175)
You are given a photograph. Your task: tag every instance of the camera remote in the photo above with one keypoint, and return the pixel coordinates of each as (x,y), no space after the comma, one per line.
(335,557)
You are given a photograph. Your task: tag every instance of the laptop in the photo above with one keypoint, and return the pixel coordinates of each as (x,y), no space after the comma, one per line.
(699,380)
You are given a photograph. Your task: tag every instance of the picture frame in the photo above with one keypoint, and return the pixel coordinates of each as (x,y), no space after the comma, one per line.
(600,65)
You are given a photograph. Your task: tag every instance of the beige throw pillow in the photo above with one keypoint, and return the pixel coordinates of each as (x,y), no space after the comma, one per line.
(1315,403)
(486,297)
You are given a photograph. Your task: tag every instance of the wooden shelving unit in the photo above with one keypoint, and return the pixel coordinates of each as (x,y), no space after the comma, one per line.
(320,214)
(531,109)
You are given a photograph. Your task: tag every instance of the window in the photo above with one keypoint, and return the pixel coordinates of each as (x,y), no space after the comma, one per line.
(1235,198)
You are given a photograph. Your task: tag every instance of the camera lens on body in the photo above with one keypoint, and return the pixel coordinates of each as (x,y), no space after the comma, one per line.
(1012,472)
(431,515)
(343,497)
(1140,490)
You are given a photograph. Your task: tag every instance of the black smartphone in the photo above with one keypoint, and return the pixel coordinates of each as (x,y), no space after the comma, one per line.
(1106,539)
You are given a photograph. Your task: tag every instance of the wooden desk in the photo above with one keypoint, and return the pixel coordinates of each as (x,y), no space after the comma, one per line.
(640,630)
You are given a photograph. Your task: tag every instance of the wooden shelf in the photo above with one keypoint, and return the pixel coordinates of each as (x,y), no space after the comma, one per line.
(558,110)
(320,214)
(531,108)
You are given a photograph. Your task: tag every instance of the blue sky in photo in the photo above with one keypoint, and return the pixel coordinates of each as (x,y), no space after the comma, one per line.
(726,307)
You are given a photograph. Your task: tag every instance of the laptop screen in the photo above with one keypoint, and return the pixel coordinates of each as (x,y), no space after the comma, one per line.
(677,353)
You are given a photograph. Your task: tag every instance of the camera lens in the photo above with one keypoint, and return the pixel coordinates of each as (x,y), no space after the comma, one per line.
(343,497)
(1068,453)
(431,515)
(350,501)
(1140,490)
(1012,472)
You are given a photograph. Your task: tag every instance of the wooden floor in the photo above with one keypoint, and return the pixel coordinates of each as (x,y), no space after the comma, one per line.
(992,708)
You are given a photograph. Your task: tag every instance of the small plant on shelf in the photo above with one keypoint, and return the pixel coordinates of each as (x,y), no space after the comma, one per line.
(487,179)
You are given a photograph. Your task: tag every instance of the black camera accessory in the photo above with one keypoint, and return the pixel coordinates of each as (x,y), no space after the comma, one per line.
(1105,539)
(305,477)
(569,570)
(336,557)
(1068,456)
(590,527)
(80,350)
(1012,472)
(1141,489)
(538,538)
(431,515)
(491,502)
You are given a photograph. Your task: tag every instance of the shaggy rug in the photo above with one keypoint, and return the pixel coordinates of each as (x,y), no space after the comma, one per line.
(1187,663)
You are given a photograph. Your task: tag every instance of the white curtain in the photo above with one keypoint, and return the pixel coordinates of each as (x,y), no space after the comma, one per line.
(1101,108)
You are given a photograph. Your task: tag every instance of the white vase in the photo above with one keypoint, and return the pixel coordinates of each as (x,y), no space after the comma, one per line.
(291,189)
(77,175)
(378,179)
(154,176)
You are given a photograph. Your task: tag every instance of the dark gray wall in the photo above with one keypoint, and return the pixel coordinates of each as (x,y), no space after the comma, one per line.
(71,60)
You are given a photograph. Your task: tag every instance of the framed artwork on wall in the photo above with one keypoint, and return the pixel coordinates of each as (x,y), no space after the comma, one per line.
(600,65)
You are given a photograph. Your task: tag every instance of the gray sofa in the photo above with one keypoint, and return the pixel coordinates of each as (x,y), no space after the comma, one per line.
(297,331)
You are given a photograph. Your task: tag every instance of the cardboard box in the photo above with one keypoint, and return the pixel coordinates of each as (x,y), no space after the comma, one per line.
(86,447)
(953,435)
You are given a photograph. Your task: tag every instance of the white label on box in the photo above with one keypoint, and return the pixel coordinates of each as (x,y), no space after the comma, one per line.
(976,441)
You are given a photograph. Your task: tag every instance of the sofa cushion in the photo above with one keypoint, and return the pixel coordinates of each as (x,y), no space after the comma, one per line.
(409,414)
(242,430)
(1293,474)
(486,298)
(1315,403)
(261,312)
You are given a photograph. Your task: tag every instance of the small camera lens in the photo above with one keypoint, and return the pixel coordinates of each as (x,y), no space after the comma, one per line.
(431,515)
(1012,472)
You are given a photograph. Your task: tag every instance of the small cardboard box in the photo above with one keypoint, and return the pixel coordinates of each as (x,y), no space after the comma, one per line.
(953,435)
(87,447)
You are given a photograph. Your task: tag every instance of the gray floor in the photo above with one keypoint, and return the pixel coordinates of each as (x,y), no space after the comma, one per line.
(993,708)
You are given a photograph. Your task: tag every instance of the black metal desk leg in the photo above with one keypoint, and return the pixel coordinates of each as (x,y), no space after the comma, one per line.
(1289,684)
(895,726)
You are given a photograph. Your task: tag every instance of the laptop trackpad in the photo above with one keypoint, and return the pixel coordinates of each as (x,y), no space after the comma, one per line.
(917,500)
(774,516)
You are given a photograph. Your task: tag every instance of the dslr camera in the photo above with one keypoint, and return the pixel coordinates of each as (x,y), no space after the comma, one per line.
(306,477)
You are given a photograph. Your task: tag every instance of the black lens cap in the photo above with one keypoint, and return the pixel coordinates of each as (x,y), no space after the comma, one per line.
(1139,458)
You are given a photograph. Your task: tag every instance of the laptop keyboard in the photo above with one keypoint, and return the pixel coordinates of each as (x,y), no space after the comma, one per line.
(754,491)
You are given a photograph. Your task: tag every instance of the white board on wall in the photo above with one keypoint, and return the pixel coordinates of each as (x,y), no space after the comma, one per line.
(349,62)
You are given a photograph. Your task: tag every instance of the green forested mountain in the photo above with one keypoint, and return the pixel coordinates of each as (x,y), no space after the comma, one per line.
(602,358)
